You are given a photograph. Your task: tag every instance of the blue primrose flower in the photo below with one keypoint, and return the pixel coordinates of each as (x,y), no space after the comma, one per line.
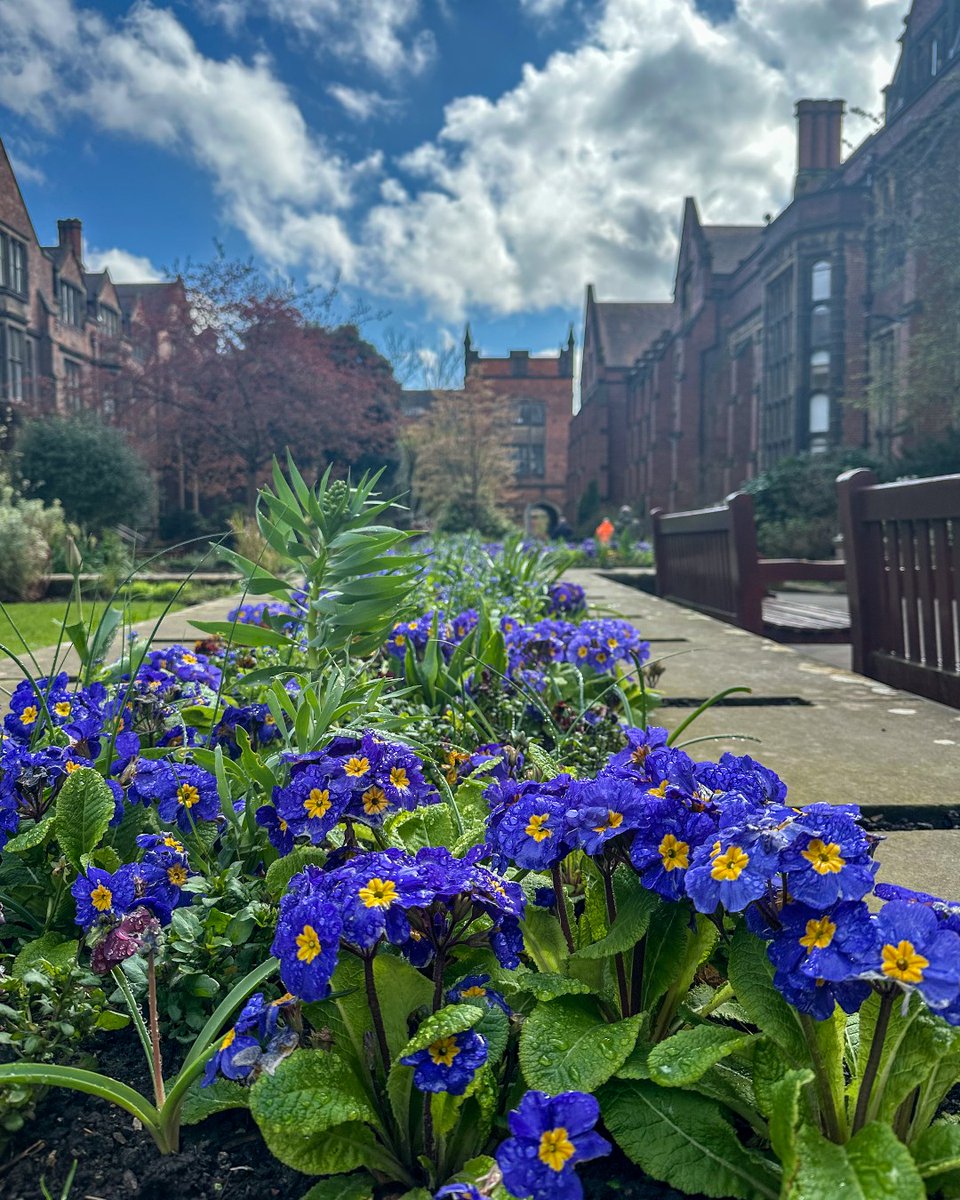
(307,941)
(917,953)
(255,1042)
(819,954)
(103,898)
(458,1191)
(831,860)
(664,845)
(188,795)
(551,1134)
(473,989)
(533,833)
(449,1063)
(312,802)
(602,809)
(733,872)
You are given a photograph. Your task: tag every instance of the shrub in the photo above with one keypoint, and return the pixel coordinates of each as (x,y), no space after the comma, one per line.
(28,531)
(90,468)
(796,503)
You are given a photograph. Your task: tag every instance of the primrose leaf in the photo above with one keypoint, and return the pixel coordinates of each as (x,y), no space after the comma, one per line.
(682,1059)
(84,809)
(343,1187)
(873,1165)
(685,1140)
(454,1018)
(567,1045)
(310,1092)
(751,975)
(36,835)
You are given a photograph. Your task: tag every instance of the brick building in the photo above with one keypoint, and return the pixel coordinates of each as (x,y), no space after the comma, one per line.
(66,333)
(780,338)
(535,397)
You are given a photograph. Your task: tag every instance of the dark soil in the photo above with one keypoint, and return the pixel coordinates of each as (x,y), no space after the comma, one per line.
(223,1158)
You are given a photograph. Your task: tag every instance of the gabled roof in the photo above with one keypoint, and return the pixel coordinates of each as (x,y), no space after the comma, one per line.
(730,245)
(94,282)
(627,330)
(16,215)
(154,298)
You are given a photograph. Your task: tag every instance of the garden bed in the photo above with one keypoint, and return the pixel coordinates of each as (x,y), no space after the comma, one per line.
(411,895)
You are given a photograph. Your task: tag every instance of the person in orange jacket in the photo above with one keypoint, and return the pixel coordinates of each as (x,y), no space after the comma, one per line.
(604,531)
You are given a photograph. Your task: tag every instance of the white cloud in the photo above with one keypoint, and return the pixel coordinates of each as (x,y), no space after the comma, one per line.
(578,173)
(123,266)
(382,34)
(542,8)
(144,77)
(363,105)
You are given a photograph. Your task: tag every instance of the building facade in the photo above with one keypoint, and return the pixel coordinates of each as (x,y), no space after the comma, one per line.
(66,334)
(789,337)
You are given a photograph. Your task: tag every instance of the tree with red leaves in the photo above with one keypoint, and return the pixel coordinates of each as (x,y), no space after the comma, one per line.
(244,367)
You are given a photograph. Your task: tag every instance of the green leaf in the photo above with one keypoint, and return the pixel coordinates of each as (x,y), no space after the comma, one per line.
(310,1093)
(49,947)
(495,1029)
(343,1187)
(429,825)
(635,907)
(769,1067)
(873,1165)
(685,1140)
(107,1019)
(454,1018)
(84,808)
(401,989)
(663,956)
(220,1096)
(785,1116)
(280,872)
(244,635)
(36,835)
(543,940)
(937,1149)
(566,1045)
(751,976)
(335,1151)
(546,985)
(682,1059)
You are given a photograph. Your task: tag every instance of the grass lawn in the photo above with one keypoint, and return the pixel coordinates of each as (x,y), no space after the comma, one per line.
(39,624)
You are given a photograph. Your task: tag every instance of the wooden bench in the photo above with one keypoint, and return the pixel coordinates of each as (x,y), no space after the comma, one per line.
(707,559)
(902,545)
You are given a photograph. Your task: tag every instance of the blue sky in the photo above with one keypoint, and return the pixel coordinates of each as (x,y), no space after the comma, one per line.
(449,159)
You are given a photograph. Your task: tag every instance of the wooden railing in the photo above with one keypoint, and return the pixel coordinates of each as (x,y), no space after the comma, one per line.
(707,559)
(902,545)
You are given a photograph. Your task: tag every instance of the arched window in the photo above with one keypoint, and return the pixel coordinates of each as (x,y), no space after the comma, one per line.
(819,371)
(820,280)
(820,325)
(819,413)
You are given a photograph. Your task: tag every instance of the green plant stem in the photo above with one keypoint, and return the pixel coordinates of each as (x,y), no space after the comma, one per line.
(887,1001)
(717,1000)
(155,1030)
(429,1141)
(636,975)
(826,1101)
(373,1000)
(562,907)
(121,981)
(617,958)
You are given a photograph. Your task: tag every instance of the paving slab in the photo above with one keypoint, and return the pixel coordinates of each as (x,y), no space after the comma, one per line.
(927,860)
(175,627)
(841,738)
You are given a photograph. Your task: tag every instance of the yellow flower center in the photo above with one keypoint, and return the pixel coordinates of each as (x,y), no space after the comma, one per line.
(188,795)
(101,897)
(379,893)
(555,1148)
(729,866)
(177,875)
(228,1039)
(317,803)
(473,992)
(819,934)
(660,790)
(902,962)
(614,821)
(269,720)
(172,842)
(189,658)
(356,767)
(70,767)
(582,651)
(399,639)
(674,854)
(375,800)
(639,754)
(62,708)
(308,944)
(29,714)
(443,1051)
(824,857)
(536,827)
(399,779)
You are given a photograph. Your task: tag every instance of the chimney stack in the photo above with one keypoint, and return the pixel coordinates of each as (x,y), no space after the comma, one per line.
(71,234)
(819,141)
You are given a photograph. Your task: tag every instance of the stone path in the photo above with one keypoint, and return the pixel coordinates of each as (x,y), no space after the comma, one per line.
(832,735)
(175,627)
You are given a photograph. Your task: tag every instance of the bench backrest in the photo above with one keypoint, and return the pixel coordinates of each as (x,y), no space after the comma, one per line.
(707,560)
(902,547)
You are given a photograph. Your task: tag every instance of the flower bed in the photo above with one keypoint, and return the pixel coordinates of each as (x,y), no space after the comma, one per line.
(393,870)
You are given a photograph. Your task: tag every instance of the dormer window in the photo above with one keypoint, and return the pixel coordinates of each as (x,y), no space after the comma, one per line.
(109,320)
(73,307)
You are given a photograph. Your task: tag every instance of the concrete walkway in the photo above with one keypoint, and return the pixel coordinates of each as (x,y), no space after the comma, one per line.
(830,734)
(175,627)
